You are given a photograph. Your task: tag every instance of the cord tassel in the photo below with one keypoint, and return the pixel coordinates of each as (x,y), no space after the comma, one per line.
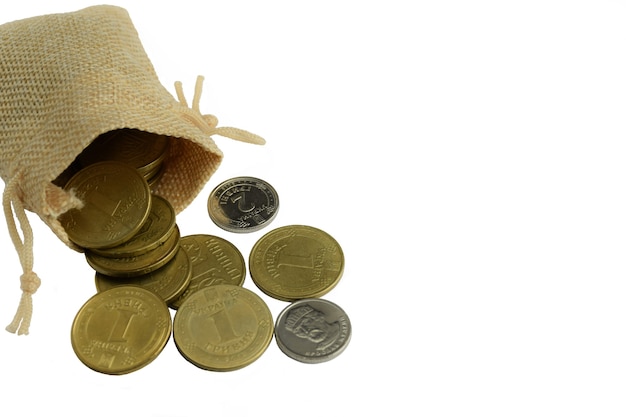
(207,122)
(29,281)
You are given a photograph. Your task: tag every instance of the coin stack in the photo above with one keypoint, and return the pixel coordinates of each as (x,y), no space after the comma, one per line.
(125,231)
(141,150)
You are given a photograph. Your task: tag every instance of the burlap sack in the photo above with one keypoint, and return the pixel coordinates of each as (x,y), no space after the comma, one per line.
(67,78)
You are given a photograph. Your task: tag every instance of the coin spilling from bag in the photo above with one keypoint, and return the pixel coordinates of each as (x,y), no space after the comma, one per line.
(131,240)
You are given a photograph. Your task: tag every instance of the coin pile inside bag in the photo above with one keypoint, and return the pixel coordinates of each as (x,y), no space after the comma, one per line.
(143,266)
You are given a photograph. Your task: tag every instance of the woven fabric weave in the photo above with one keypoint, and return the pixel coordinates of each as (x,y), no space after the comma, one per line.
(67,78)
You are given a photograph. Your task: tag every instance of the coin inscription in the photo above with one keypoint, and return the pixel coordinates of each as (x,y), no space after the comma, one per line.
(117,202)
(214,261)
(157,228)
(121,330)
(243,204)
(223,328)
(313,330)
(295,262)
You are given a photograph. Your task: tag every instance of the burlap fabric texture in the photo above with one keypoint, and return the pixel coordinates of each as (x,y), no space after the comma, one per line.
(67,78)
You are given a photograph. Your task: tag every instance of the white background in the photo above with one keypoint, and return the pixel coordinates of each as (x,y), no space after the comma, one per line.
(467,155)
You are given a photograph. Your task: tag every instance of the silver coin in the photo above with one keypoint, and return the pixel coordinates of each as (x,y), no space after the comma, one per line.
(243,204)
(313,330)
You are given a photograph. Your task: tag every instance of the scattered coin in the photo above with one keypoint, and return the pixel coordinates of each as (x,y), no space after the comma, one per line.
(168,282)
(121,330)
(243,204)
(313,330)
(295,262)
(117,202)
(214,261)
(143,265)
(223,328)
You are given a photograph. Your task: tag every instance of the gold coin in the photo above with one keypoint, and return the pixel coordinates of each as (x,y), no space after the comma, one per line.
(223,328)
(117,202)
(157,228)
(153,177)
(121,330)
(141,150)
(133,266)
(214,261)
(295,262)
(168,282)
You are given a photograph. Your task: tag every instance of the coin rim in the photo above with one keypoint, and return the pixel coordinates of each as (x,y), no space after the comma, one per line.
(175,304)
(286,297)
(111,282)
(149,358)
(241,364)
(224,222)
(298,356)
(166,252)
(87,243)
(122,251)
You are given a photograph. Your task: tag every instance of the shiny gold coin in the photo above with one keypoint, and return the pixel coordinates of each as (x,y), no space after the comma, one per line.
(141,150)
(121,330)
(168,282)
(223,328)
(295,262)
(136,265)
(157,228)
(214,261)
(117,202)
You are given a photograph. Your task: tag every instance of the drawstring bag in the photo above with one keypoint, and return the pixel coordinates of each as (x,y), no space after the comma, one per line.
(65,79)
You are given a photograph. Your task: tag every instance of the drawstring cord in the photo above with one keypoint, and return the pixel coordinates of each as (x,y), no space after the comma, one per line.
(207,122)
(29,281)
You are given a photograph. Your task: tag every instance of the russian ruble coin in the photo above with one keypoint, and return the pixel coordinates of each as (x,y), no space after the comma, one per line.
(121,330)
(143,151)
(223,328)
(243,204)
(116,203)
(157,228)
(214,261)
(312,330)
(133,266)
(294,262)
(168,282)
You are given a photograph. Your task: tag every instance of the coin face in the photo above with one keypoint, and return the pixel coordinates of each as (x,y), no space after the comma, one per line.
(157,228)
(223,328)
(295,262)
(214,261)
(168,282)
(117,202)
(313,330)
(136,265)
(121,330)
(243,204)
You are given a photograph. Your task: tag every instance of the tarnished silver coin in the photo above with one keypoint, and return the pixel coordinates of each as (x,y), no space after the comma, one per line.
(243,204)
(313,330)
